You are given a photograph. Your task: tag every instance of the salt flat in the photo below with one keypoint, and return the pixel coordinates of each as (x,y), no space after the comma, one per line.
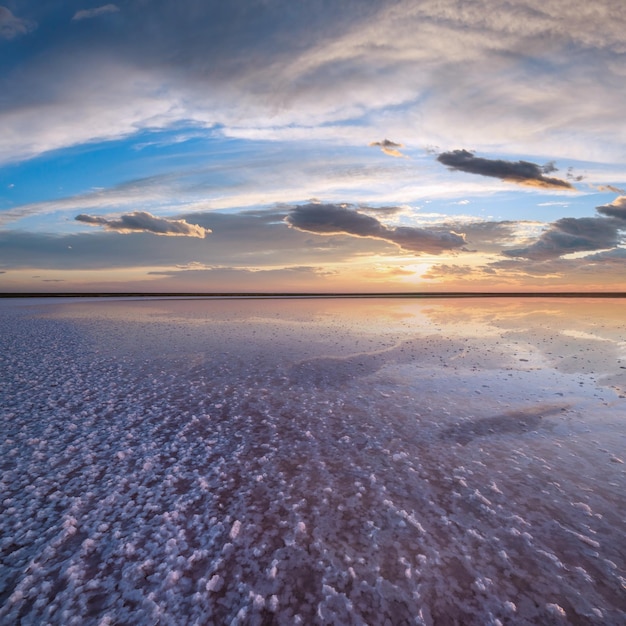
(313,461)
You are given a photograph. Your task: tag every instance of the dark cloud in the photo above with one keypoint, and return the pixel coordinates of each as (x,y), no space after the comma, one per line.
(333,219)
(199,46)
(222,40)
(12,26)
(617,209)
(85,14)
(520,172)
(141,221)
(616,257)
(582,234)
(571,176)
(571,234)
(389,147)
(336,219)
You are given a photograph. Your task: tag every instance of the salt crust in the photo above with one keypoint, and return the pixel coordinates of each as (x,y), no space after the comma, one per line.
(208,478)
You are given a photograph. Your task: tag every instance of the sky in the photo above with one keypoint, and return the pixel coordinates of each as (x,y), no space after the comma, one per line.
(312,146)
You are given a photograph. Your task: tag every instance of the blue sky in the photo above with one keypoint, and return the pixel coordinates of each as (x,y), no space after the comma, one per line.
(302,146)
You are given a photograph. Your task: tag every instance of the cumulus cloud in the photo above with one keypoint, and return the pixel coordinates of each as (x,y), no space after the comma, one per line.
(141,221)
(12,26)
(86,14)
(616,209)
(334,219)
(571,234)
(582,234)
(389,147)
(520,172)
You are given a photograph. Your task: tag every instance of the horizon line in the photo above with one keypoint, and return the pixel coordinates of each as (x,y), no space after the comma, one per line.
(272,294)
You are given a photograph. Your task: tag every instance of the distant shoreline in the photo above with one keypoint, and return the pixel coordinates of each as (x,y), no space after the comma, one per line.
(291,295)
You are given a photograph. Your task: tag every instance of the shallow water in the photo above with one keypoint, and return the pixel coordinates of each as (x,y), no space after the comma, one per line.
(313,461)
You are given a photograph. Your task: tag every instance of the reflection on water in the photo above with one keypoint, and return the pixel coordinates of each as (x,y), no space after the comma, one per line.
(585,336)
(313,461)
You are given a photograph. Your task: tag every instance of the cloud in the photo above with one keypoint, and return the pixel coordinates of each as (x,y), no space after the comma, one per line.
(520,172)
(465,272)
(612,188)
(602,270)
(90,13)
(616,209)
(571,234)
(389,147)
(260,239)
(616,257)
(427,68)
(141,221)
(245,279)
(486,237)
(12,26)
(334,219)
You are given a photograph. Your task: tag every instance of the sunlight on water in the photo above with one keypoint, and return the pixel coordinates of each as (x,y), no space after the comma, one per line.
(358,461)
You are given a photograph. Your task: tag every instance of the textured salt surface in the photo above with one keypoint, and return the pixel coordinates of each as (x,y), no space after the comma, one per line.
(359,462)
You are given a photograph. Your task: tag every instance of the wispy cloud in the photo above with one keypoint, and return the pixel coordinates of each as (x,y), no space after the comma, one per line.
(389,147)
(612,188)
(369,63)
(141,221)
(336,219)
(12,26)
(86,14)
(153,191)
(485,236)
(520,172)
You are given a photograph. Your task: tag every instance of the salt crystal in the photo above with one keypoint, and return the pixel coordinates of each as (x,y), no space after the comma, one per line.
(234,531)
(555,610)
(215,583)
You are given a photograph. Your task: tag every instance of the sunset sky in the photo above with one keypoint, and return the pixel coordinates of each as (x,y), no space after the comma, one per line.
(308,145)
